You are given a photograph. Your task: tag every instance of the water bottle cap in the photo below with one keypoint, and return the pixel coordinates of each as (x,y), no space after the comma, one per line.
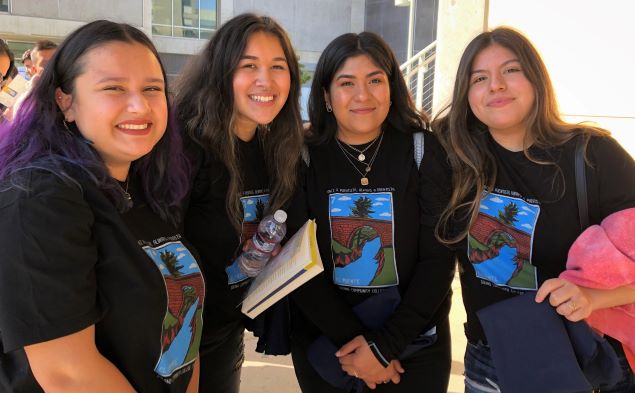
(280,216)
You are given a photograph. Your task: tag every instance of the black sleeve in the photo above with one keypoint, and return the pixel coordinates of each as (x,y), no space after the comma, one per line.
(318,299)
(426,301)
(48,286)
(297,212)
(611,179)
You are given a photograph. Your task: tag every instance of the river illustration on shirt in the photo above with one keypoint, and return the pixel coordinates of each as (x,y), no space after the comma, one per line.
(253,211)
(183,320)
(362,245)
(500,241)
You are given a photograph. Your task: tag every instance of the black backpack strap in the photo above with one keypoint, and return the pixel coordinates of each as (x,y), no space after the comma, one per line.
(580,182)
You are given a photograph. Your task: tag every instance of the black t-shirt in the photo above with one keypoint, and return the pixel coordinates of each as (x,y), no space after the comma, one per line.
(208,227)
(69,260)
(527,223)
(369,237)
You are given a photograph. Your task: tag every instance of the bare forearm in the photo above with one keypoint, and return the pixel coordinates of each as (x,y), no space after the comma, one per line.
(97,375)
(605,298)
(72,364)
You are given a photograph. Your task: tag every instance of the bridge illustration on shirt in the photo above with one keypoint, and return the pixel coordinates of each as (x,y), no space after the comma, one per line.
(185,294)
(500,242)
(362,240)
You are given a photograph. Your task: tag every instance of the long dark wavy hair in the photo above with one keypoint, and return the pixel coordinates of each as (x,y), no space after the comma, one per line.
(465,137)
(38,139)
(205,108)
(402,115)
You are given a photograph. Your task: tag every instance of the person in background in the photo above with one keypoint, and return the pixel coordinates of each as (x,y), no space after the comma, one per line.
(510,208)
(41,54)
(28,63)
(6,63)
(7,72)
(238,105)
(99,292)
(361,185)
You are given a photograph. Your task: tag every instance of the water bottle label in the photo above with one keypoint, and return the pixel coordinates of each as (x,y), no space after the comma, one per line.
(234,274)
(263,245)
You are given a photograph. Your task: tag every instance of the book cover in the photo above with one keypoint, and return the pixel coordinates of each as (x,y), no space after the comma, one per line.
(297,262)
(10,93)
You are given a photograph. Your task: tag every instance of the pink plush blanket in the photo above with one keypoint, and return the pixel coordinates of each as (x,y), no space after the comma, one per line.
(604,257)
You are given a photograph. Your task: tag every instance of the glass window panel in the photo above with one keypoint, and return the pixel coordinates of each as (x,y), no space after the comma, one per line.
(208,14)
(4,5)
(185,13)
(206,34)
(185,32)
(162,30)
(162,12)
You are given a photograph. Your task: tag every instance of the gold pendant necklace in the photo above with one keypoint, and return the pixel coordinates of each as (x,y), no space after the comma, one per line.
(361,156)
(364,175)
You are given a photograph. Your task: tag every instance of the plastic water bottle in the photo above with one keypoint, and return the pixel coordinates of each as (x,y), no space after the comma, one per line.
(270,232)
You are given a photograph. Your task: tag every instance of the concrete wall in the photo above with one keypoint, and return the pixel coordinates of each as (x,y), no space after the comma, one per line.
(84,11)
(459,21)
(310,24)
(31,20)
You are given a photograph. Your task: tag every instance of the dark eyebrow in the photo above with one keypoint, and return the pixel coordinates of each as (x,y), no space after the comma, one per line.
(249,57)
(504,64)
(347,76)
(116,79)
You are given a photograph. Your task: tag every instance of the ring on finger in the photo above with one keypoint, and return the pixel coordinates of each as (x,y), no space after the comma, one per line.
(356,376)
(572,305)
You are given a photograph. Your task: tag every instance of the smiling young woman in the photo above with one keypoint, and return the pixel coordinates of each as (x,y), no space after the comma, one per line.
(238,105)
(91,178)
(361,185)
(509,204)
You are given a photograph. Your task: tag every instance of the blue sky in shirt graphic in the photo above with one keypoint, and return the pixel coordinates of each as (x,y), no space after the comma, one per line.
(499,254)
(527,215)
(341,205)
(182,323)
(251,205)
(362,240)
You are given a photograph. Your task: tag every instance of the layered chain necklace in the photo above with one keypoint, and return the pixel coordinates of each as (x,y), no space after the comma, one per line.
(361,157)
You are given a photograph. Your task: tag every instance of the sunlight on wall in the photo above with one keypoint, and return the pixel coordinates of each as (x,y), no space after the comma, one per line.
(587,46)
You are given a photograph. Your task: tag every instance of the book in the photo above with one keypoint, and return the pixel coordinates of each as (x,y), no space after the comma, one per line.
(10,93)
(298,262)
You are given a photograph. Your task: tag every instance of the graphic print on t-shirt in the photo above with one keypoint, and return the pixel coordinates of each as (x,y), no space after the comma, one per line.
(362,234)
(183,320)
(500,242)
(254,208)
